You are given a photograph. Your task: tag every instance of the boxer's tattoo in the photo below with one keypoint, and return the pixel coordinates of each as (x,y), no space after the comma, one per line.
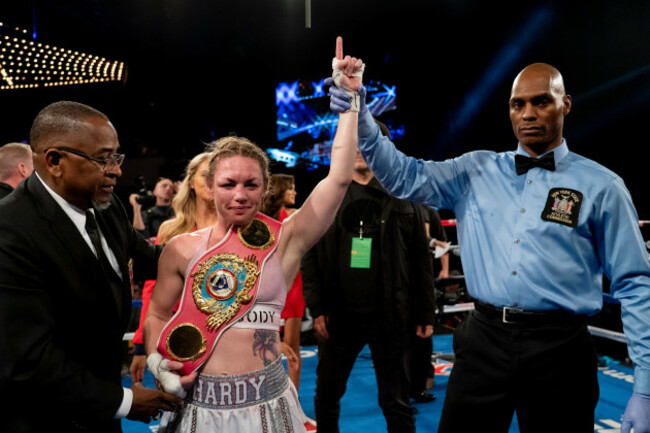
(265,343)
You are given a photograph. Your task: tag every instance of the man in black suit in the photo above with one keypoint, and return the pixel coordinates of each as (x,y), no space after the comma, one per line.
(379,302)
(64,283)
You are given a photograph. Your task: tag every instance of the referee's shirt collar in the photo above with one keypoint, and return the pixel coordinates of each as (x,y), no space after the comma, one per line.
(558,153)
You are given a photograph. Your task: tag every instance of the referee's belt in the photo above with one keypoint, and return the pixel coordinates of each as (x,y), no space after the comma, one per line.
(515,315)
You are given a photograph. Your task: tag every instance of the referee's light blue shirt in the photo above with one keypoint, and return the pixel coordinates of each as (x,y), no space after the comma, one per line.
(538,241)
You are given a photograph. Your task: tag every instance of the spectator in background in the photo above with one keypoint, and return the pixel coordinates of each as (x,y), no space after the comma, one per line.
(437,238)
(369,281)
(148,221)
(421,371)
(283,194)
(15,165)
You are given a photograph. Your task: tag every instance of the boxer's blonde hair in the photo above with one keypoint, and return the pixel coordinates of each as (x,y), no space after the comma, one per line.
(237,146)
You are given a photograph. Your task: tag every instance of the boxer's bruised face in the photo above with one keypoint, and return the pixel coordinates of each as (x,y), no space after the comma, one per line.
(238,189)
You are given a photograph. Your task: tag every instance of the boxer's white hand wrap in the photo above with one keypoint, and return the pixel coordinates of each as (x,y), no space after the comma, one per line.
(355,101)
(337,73)
(171,382)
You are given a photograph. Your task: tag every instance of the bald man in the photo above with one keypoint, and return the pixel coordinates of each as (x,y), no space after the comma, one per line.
(538,228)
(15,165)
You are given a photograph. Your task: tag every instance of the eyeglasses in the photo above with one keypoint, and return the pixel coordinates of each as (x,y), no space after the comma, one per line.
(106,163)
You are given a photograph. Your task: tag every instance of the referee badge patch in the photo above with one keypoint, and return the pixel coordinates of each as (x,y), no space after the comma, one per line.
(563,206)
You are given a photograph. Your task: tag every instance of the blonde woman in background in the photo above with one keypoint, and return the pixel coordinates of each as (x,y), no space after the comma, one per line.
(194,209)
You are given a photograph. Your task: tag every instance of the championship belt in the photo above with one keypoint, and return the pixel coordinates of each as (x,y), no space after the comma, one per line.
(220,288)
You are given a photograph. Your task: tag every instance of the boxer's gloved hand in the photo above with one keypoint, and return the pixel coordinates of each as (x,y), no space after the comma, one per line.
(341,101)
(637,414)
(163,370)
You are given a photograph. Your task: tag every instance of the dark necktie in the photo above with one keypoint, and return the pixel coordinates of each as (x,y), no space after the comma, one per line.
(524,163)
(114,279)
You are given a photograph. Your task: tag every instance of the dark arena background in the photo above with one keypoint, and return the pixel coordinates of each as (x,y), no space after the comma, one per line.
(173,75)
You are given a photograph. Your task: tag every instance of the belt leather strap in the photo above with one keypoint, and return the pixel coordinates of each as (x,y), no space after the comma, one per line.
(514,315)
(219,289)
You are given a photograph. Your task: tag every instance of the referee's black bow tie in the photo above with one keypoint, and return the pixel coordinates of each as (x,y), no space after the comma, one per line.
(524,163)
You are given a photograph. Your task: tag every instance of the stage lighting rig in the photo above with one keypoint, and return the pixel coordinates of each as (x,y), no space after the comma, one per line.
(27,64)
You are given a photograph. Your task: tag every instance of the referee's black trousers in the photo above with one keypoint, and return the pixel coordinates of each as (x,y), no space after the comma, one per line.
(546,374)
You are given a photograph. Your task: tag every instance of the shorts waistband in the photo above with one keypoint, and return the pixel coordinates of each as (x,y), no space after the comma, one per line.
(230,392)
(519,316)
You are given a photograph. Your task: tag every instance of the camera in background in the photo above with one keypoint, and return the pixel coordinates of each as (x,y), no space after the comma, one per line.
(145,196)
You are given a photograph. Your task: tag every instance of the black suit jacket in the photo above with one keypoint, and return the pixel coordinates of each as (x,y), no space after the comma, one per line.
(60,327)
(5,190)
(405,287)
